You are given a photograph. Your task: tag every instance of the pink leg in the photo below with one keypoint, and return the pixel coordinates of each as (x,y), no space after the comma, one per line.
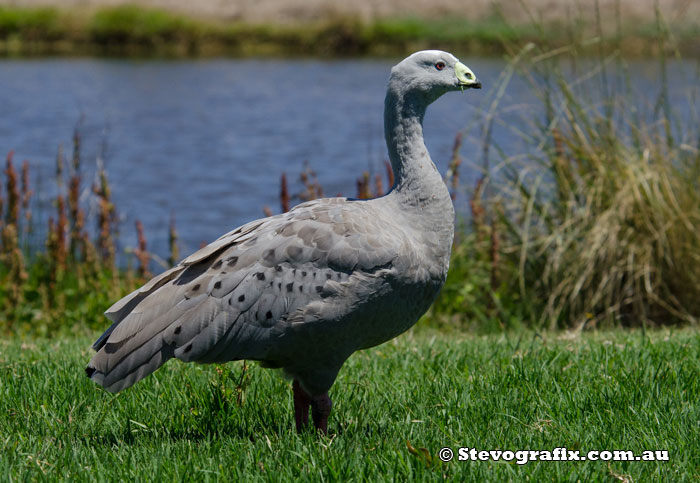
(301,406)
(320,410)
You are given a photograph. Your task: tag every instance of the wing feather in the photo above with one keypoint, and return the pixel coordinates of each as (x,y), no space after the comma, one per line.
(233,298)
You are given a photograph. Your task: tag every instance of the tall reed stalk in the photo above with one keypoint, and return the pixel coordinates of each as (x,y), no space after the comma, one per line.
(75,278)
(603,217)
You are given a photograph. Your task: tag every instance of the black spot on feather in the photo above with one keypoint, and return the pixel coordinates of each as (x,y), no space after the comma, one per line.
(241,298)
(217,265)
(290,286)
(177,330)
(217,284)
(260,275)
(188,348)
(232,261)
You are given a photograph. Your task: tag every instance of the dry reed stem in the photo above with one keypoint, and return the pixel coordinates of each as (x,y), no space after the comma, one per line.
(174,257)
(61,231)
(26,194)
(312,188)
(284,193)
(141,252)
(14,260)
(378,187)
(106,218)
(363,192)
(13,194)
(452,175)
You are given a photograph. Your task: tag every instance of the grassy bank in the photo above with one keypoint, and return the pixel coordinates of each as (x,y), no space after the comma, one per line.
(394,407)
(131,30)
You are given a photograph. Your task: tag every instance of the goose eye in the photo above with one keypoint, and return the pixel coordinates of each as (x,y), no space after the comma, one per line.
(440,65)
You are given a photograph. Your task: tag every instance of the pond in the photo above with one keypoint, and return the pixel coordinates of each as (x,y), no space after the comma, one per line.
(207,140)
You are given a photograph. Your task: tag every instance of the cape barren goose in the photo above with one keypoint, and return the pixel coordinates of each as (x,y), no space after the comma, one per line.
(303,290)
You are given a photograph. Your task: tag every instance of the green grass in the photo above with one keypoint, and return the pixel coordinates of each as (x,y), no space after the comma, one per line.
(602,391)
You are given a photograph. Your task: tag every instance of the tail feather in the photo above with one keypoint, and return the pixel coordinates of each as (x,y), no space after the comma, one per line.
(149,337)
(142,346)
(135,367)
(123,307)
(162,320)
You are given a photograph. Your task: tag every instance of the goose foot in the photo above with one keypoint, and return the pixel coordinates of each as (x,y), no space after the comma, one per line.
(301,406)
(320,409)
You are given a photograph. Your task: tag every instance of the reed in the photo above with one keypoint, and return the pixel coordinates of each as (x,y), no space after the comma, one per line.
(141,251)
(452,175)
(284,193)
(312,189)
(13,194)
(106,217)
(363,187)
(67,285)
(372,186)
(609,229)
(172,242)
(597,224)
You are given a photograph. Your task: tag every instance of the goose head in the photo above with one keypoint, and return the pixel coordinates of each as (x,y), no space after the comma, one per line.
(428,74)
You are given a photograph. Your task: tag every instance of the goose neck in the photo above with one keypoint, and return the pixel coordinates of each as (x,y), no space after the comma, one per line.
(403,127)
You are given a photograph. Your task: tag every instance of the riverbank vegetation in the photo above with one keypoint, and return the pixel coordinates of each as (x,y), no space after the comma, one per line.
(598,223)
(136,31)
(61,277)
(595,224)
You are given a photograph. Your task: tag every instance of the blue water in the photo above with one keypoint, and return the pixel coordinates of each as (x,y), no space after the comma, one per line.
(207,140)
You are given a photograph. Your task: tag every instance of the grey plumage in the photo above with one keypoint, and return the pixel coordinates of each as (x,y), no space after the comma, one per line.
(303,290)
